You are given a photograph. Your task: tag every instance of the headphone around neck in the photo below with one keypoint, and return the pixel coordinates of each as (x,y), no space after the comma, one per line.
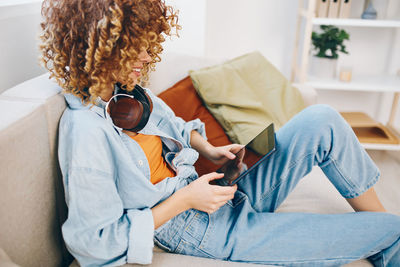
(129,110)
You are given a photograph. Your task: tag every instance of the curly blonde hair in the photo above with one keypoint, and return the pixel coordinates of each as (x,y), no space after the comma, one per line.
(87,45)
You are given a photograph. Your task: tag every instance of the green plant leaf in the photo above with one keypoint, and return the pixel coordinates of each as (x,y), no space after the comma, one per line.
(329,42)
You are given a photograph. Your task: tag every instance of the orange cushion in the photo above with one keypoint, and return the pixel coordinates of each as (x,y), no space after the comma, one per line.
(183,99)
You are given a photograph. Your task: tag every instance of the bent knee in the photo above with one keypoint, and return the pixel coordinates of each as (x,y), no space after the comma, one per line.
(323,111)
(322,114)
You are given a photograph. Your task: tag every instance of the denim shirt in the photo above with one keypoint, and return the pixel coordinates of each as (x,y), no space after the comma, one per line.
(107,185)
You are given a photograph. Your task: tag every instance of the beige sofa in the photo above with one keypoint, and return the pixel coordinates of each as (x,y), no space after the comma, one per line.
(32,203)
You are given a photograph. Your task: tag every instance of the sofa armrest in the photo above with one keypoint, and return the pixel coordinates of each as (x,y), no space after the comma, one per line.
(308,93)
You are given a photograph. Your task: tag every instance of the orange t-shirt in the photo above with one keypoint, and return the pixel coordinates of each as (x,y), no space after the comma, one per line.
(152,147)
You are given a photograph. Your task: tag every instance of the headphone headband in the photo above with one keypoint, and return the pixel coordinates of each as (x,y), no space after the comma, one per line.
(129,110)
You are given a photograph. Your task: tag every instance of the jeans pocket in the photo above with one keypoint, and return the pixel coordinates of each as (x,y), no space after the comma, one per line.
(197,227)
(187,248)
(195,235)
(169,234)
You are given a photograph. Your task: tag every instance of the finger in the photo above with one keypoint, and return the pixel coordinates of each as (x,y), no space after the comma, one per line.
(224,198)
(241,153)
(220,204)
(224,190)
(223,202)
(213,176)
(229,155)
(235,148)
(216,206)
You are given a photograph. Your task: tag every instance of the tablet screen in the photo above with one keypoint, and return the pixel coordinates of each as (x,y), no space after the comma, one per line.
(263,145)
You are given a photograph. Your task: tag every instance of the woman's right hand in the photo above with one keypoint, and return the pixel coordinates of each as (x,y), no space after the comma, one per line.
(203,196)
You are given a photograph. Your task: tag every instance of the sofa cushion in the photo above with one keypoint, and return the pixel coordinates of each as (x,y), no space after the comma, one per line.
(25,97)
(30,232)
(39,88)
(54,107)
(13,111)
(185,102)
(246,94)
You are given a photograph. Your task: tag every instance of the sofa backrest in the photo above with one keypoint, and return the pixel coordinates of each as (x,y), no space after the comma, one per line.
(31,197)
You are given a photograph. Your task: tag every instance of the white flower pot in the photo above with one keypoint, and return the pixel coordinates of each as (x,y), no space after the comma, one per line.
(323,67)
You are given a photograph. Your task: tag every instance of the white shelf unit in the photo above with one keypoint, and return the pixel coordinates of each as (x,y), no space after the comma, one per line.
(367,83)
(381,147)
(374,83)
(357,22)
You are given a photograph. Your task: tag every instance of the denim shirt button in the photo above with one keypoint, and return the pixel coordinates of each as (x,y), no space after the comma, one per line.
(140,162)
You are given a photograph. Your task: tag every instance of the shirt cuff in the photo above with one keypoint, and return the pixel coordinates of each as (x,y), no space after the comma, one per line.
(197,125)
(141,234)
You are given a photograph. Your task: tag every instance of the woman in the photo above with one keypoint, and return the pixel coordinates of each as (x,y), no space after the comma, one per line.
(126,189)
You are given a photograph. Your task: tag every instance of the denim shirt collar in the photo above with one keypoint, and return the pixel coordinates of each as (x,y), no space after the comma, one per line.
(75,102)
(99,106)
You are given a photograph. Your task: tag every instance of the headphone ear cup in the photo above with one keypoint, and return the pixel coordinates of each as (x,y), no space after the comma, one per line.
(142,96)
(144,118)
(150,102)
(146,112)
(126,113)
(131,113)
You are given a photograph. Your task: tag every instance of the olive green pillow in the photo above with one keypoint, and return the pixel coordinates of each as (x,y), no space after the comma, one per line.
(246,94)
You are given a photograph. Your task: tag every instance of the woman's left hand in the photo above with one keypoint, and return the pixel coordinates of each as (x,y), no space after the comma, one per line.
(221,154)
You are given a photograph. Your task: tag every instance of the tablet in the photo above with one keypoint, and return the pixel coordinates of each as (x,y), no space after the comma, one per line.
(264,143)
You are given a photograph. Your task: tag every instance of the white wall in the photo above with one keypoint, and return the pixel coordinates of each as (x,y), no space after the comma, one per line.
(225,29)
(235,27)
(19,56)
(192,16)
(229,28)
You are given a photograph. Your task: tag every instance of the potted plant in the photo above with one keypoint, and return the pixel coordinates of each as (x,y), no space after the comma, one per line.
(327,44)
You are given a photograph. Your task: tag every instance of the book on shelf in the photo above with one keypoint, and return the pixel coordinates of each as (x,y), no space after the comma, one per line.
(322,8)
(344,9)
(333,9)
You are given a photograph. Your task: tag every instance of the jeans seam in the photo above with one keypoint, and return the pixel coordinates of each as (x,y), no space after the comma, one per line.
(176,231)
(179,248)
(349,182)
(161,245)
(190,224)
(355,190)
(183,242)
(265,195)
(368,186)
(303,261)
(241,199)
(204,240)
(381,260)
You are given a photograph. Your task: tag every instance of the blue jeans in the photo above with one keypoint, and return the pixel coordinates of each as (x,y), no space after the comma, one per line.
(246,229)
